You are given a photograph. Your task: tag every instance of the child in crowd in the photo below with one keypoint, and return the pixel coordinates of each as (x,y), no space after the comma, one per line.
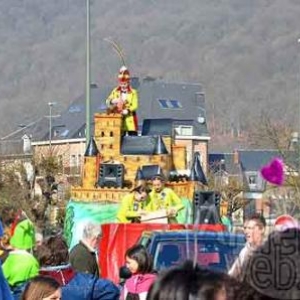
(139,262)
(42,288)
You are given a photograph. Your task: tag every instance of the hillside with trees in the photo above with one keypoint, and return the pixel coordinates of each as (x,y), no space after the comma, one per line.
(245,54)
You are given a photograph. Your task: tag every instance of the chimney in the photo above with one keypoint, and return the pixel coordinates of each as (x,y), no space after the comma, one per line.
(236,158)
(135,82)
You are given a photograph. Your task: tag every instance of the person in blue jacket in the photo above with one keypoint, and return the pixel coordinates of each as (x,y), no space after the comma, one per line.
(53,256)
(5,292)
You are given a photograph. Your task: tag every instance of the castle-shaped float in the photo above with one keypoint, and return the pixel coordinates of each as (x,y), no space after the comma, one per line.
(113,164)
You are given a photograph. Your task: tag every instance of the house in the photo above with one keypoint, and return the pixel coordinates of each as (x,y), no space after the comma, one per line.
(246,166)
(163,108)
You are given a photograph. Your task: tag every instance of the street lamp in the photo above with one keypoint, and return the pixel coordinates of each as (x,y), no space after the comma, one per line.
(50,104)
(88,73)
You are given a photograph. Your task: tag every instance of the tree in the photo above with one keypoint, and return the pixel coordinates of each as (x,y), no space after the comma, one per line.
(14,190)
(230,187)
(278,136)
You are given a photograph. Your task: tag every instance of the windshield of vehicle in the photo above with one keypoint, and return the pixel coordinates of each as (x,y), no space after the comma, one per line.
(215,254)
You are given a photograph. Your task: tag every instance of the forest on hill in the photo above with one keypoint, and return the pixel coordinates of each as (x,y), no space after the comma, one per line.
(245,53)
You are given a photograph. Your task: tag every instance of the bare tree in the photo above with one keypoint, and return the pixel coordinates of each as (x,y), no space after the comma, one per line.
(278,136)
(230,188)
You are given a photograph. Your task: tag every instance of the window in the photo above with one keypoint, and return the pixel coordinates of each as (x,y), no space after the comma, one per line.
(163,103)
(73,161)
(218,254)
(175,104)
(75,109)
(252,179)
(64,133)
(184,130)
(169,103)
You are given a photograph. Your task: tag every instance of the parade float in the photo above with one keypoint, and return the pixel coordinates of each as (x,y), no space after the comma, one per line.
(113,164)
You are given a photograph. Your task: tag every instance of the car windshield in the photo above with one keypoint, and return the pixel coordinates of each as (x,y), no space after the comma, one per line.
(214,254)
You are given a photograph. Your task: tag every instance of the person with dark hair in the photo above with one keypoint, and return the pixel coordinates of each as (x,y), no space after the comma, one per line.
(8,215)
(134,205)
(273,269)
(189,282)
(254,229)
(139,262)
(42,288)
(53,256)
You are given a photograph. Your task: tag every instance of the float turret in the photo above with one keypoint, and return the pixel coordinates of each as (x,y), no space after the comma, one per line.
(91,165)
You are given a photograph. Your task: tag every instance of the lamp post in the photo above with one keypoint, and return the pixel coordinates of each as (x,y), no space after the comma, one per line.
(296,135)
(50,104)
(88,73)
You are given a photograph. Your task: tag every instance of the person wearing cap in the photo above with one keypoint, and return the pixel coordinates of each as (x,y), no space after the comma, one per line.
(134,205)
(20,265)
(124,100)
(162,197)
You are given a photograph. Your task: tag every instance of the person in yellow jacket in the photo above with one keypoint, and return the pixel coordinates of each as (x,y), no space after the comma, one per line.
(162,197)
(124,100)
(134,205)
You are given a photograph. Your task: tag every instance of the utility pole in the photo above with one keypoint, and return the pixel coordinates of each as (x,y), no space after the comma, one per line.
(50,104)
(51,116)
(88,74)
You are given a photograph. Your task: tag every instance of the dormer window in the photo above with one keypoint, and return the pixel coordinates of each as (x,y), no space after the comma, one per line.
(184,130)
(252,179)
(169,103)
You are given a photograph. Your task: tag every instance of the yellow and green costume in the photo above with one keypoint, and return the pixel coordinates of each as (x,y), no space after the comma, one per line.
(165,199)
(129,208)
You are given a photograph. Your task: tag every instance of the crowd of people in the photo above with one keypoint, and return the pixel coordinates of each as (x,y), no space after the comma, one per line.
(37,267)
(266,268)
(47,269)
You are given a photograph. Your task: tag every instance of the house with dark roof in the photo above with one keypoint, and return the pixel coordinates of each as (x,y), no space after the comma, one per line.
(174,109)
(247,164)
